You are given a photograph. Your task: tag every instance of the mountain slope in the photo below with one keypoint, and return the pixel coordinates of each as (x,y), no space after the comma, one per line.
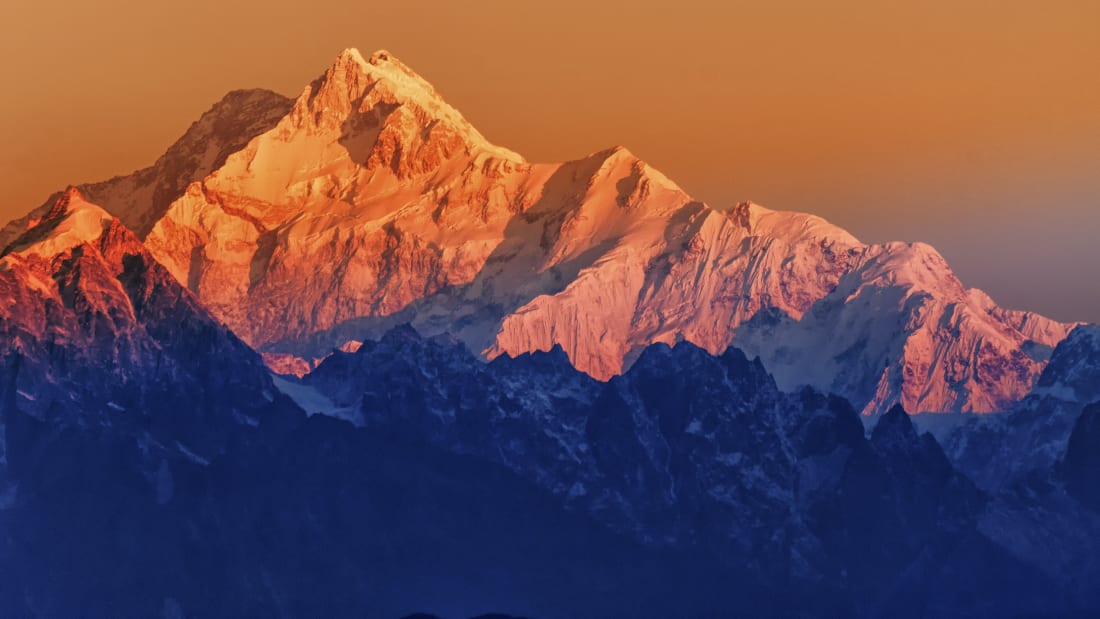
(901,328)
(998,450)
(140,198)
(372,203)
(98,334)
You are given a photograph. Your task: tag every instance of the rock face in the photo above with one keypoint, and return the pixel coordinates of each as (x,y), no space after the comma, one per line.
(370,202)
(98,333)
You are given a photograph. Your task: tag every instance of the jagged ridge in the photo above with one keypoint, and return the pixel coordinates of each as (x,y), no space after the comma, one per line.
(372,202)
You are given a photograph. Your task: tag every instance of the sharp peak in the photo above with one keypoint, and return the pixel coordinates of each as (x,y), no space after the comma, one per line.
(751,206)
(342,88)
(613,154)
(379,57)
(894,422)
(608,157)
(351,54)
(70,221)
(913,262)
(619,150)
(621,160)
(243,94)
(72,201)
(380,65)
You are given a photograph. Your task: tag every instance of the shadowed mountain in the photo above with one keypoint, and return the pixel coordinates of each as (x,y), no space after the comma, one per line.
(97,334)
(690,451)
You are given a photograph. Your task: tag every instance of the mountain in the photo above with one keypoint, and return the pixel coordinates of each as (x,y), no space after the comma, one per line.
(141,198)
(1074,369)
(1032,435)
(695,453)
(370,202)
(311,517)
(899,327)
(97,334)
(149,467)
(373,202)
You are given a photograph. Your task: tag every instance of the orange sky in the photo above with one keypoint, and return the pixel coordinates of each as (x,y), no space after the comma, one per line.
(974,126)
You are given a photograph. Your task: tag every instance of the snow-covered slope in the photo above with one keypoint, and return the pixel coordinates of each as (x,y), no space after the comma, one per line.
(998,450)
(140,198)
(372,202)
(901,328)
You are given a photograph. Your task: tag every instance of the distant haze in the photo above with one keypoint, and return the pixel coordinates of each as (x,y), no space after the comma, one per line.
(974,126)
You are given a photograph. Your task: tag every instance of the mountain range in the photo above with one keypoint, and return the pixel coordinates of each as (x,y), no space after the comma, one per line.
(341,355)
(368,202)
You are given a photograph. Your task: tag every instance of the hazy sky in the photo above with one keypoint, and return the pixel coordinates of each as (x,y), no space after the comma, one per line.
(974,126)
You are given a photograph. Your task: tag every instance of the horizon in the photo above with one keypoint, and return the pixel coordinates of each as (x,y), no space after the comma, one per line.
(823,132)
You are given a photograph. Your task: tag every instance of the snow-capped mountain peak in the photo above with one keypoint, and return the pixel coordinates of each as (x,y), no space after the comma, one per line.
(797,227)
(140,199)
(380,99)
(71,221)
